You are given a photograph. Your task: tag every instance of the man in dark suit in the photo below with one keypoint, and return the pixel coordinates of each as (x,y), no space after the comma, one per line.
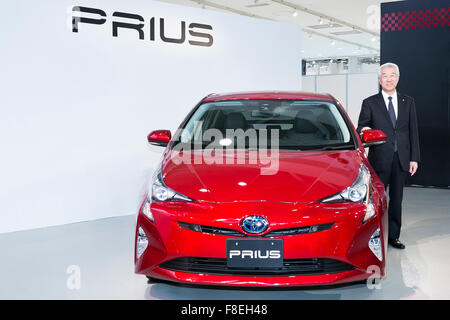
(394,114)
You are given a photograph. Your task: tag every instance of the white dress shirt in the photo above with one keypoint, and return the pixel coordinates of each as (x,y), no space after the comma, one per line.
(394,101)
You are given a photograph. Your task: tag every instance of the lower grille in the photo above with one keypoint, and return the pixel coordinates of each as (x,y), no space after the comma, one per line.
(274,233)
(301,230)
(291,267)
(213,230)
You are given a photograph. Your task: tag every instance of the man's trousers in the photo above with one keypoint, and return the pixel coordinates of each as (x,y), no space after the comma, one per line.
(395,179)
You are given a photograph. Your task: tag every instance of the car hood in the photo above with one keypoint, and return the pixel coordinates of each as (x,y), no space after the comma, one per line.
(296,176)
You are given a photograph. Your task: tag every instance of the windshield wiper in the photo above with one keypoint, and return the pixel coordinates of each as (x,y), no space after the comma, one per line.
(319,148)
(203,146)
(338,147)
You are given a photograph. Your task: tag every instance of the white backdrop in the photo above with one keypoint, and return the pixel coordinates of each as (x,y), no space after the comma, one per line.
(349,88)
(76,107)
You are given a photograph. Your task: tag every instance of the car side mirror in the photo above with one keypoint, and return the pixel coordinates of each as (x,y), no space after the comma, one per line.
(159,138)
(373,137)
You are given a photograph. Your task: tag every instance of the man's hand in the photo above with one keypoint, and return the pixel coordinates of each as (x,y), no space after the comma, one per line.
(413,165)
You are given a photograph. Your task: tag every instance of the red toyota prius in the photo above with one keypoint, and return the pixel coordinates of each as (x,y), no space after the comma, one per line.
(263,189)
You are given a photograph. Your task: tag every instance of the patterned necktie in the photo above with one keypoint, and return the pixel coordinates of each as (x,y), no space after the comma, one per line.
(393,119)
(391,112)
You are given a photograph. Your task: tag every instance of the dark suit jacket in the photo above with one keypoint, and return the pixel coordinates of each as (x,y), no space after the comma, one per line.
(374,114)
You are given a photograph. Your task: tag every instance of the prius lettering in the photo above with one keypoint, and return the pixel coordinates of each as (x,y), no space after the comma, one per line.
(255,254)
(137,23)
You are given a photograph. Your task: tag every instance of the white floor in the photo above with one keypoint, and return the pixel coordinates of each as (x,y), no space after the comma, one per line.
(34,264)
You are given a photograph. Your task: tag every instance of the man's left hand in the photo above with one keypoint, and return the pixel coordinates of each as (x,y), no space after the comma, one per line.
(413,165)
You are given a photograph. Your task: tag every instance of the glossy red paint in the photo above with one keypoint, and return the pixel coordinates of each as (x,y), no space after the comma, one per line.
(373,135)
(267,95)
(159,136)
(304,176)
(226,193)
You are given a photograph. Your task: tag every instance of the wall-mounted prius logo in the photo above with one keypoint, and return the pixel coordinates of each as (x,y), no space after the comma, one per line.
(136,22)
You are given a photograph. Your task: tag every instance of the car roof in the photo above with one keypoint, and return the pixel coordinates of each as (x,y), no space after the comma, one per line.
(268,95)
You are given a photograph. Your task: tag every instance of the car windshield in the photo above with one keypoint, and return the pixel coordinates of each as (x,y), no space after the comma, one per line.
(256,124)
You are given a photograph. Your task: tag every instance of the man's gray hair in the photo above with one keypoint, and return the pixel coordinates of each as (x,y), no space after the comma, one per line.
(389,65)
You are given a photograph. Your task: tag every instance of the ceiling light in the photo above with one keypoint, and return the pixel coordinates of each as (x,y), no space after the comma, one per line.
(373,39)
(333,42)
(295,13)
(320,20)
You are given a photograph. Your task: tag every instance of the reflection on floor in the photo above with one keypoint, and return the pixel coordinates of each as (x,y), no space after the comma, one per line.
(43,263)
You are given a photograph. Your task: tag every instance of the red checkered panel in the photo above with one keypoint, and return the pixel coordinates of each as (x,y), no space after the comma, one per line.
(430,18)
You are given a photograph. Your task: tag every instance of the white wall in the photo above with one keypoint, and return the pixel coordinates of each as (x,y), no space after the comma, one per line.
(335,85)
(349,88)
(309,84)
(76,107)
(360,86)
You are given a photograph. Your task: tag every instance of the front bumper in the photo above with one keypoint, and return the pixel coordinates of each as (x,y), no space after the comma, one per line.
(337,255)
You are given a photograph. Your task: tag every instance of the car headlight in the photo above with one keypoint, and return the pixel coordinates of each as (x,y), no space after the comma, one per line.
(161,192)
(357,192)
(370,211)
(141,242)
(375,244)
(146,209)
